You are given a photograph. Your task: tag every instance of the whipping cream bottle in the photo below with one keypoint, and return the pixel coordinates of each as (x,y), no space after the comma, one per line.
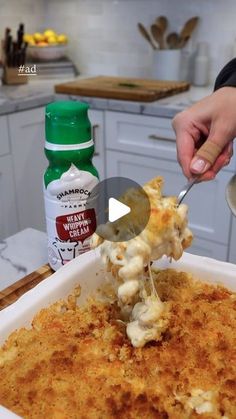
(68,181)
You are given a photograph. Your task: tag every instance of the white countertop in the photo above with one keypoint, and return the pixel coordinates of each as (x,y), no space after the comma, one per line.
(21,254)
(40,92)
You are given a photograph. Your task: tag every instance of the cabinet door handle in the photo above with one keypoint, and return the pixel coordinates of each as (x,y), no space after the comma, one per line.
(94,130)
(158,137)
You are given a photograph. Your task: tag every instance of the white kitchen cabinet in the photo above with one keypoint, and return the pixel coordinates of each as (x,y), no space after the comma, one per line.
(208,249)
(4,137)
(8,212)
(140,134)
(27,145)
(209,216)
(97,121)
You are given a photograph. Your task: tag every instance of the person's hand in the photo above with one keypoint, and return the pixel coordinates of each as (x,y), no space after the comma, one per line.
(205,133)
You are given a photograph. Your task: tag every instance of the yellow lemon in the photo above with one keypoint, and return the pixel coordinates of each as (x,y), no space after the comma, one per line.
(38,37)
(52,40)
(62,39)
(48,33)
(28,37)
(31,41)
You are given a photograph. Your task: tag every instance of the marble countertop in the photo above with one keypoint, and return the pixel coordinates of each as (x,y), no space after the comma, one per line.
(39,93)
(26,96)
(21,254)
(166,107)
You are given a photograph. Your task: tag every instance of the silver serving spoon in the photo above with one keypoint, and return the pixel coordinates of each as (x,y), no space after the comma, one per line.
(230,195)
(186,189)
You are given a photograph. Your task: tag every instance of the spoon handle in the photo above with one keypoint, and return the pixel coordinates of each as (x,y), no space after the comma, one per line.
(186,189)
(146,35)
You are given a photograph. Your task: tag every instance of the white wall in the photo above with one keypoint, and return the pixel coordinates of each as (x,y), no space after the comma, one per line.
(104,37)
(103,33)
(13,12)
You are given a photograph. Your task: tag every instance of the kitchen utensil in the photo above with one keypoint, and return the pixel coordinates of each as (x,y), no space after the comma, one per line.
(172,40)
(230,195)
(23,53)
(146,35)
(13,55)
(20,35)
(123,88)
(186,189)
(157,34)
(7,47)
(14,50)
(187,31)
(162,23)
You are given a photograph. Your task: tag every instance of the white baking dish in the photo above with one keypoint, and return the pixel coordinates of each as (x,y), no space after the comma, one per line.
(87,271)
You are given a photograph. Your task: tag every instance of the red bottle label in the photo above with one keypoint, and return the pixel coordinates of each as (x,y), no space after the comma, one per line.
(76,227)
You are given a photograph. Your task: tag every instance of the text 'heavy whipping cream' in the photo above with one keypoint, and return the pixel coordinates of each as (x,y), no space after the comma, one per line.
(68,181)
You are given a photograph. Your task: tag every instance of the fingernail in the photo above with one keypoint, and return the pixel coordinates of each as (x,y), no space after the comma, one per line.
(200,165)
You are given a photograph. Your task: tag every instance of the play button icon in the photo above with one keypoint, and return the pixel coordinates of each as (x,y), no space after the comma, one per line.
(122,208)
(117,210)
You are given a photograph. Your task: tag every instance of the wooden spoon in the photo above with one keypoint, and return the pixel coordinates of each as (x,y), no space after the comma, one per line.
(162,23)
(146,35)
(157,34)
(187,31)
(173,40)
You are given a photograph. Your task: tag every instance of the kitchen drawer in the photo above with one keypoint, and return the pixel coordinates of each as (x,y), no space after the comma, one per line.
(4,136)
(145,135)
(8,214)
(27,144)
(140,134)
(209,215)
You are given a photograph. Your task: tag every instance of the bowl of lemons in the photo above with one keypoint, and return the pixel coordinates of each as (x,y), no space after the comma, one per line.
(46,46)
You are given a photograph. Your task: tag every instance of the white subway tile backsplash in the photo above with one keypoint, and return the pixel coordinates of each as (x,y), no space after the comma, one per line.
(103,33)
(110,27)
(90,7)
(12,12)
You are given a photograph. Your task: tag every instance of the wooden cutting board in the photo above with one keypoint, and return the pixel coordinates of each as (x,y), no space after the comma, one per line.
(12,293)
(122,88)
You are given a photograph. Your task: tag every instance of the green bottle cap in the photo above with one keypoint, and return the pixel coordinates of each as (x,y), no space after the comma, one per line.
(67,123)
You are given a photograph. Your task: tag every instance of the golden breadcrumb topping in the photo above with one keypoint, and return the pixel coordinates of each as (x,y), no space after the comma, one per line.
(77,362)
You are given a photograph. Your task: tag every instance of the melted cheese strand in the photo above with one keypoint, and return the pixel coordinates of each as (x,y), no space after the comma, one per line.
(154,291)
